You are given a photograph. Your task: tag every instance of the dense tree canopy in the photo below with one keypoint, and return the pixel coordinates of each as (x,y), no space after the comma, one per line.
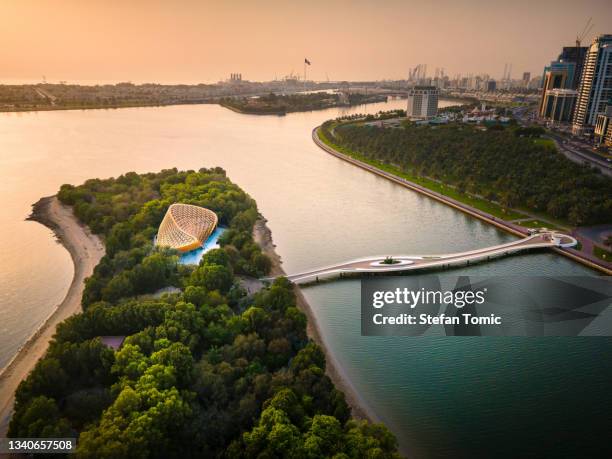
(275,104)
(507,166)
(205,372)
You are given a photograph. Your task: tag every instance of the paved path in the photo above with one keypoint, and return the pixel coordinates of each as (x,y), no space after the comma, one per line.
(413,263)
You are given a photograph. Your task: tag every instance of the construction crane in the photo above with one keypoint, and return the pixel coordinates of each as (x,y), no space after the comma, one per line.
(413,73)
(585,31)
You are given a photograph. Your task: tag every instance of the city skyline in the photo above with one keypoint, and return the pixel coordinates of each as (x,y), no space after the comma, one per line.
(205,42)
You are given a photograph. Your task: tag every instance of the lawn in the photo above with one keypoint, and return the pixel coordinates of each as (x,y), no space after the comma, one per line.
(545,142)
(602,254)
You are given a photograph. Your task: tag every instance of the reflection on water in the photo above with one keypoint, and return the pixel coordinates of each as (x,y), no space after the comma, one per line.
(321,210)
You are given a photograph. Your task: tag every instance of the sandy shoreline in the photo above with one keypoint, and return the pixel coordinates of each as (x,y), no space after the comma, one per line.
(86,250)
(359,409)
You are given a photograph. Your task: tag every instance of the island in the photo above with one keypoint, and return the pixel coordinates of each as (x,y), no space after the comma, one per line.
(280,104)
(185,360)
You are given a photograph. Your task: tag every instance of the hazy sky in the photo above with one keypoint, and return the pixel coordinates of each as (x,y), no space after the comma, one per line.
(203,41)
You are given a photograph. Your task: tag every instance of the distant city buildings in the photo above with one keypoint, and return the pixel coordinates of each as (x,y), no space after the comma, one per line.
(526,78)
(595,85)
(478,83)
(422,102)
(235,77)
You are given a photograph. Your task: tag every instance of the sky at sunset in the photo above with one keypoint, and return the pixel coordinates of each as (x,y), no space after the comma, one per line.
(204,41)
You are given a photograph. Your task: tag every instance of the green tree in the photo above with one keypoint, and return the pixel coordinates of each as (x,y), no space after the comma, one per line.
(212,277)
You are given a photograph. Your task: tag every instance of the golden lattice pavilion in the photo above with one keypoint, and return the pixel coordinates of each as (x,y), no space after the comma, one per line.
(186,227)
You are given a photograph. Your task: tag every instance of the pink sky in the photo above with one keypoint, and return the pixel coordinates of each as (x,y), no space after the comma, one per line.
(204,41)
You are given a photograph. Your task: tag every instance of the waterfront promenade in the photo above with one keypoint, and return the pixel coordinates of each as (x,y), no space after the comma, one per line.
(381,264)
(510,227)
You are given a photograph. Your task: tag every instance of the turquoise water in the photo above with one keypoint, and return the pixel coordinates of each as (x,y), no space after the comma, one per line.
(193,257)
(474,396)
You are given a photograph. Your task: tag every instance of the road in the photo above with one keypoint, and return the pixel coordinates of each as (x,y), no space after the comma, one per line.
(572,150)
(581,156)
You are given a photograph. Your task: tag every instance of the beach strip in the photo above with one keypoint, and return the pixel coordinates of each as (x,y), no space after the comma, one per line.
(86,250)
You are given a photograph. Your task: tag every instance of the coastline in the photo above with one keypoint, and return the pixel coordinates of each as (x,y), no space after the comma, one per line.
(55,108)
(507,226)
(359,410)
(86,250)
(287,111)
(243,112)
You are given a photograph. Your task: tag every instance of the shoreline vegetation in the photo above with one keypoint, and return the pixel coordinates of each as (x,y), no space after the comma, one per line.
(86,250)
(505,171)
(63,96)
(271,98)
(263,236)
(83,388)
(487,211)
(255,103)
(273,104)
(48,97)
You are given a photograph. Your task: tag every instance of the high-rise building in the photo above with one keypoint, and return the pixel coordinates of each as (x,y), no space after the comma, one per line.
(558,104)
(559,84)
(603,126)
(558,97)
(595,84)
(491,86)
(526,78)
(422,102)
(559,75)
(575,54)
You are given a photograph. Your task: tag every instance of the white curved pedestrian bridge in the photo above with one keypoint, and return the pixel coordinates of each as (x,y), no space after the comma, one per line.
(377,264)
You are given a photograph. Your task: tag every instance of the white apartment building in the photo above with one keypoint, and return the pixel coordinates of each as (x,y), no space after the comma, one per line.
(422,102)
(595,85)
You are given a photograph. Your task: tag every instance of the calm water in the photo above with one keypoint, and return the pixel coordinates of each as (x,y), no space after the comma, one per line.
(435,393)
(193,257)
